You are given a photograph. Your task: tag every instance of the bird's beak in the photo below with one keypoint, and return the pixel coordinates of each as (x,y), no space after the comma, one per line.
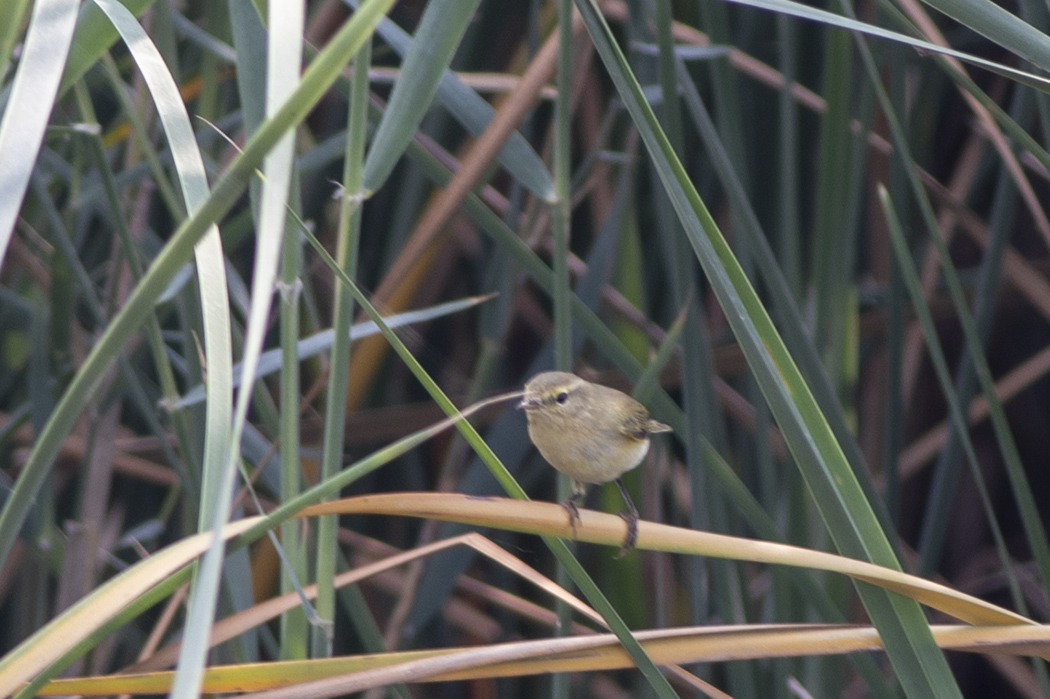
(527,403)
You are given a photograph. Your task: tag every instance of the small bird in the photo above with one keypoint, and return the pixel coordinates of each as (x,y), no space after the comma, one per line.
(591,433)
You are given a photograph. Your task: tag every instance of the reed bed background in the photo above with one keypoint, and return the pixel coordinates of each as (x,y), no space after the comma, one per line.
(813,239)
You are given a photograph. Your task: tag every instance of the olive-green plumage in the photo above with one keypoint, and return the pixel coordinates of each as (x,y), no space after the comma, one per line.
(591,433)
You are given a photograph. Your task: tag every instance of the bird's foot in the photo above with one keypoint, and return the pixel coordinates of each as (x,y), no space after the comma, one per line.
(632,533)
(574,514)
(631,517)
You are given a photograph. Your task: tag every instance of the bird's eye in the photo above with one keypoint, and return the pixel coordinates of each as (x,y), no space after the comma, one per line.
(562,397)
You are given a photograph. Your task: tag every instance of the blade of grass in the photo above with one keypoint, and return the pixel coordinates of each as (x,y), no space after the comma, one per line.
(284,56)
(592,653)
(348,235)
(809,13)
(920,665)
(29,104)
(789,317)
(922,311)
(561,220)
(11,14)
(93,37)
(212,280)
(271,360)
(607,528)
(999,25)
(517,156)
(436,39)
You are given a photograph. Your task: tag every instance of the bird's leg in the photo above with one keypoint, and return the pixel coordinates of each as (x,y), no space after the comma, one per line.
(578,491)
(631,517)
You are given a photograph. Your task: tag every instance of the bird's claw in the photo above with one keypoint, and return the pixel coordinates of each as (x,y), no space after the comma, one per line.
(574,514)
(632,533)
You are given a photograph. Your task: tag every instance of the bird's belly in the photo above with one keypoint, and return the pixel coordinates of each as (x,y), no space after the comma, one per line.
(601,462)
